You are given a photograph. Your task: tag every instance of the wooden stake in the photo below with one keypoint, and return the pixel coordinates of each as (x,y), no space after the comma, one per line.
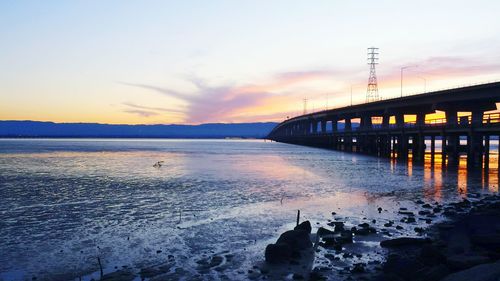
(298,216)
(100,266)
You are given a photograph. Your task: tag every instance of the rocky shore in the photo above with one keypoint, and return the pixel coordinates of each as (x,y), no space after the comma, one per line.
(424,241)
(465,246)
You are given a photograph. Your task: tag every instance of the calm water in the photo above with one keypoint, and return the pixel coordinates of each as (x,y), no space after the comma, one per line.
(63,202)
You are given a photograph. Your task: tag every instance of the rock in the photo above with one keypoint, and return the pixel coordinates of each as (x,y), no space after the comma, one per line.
(434,273)
(430,255)
(419,202)
(406,213)
(398,227)
(324,232)
(216,261)
(424,213)
(296,239)
(410,220)
(329,241)
(419,230)
(358,268)
(487,240)
(345,237)
(403,241)
(483,272)
(297,276)
(388,224)
(278,253)
(364,225)
(379,210)
(362,231)
(306,226)
(427,206)
(339,226)
(316,276)
(461,262)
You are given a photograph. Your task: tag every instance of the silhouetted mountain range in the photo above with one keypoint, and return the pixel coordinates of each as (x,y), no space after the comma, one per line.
(212,130)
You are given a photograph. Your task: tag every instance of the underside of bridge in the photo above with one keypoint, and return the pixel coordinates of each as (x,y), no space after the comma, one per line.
(400,127)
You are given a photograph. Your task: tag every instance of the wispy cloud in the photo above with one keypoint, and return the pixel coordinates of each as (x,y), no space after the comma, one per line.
(161,109)
(225,103)
(278,96)
(142,113)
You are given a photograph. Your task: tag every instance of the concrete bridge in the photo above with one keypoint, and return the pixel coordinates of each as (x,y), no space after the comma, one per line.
(382,130)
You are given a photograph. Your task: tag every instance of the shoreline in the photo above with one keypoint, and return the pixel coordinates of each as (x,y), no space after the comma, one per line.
(467,240)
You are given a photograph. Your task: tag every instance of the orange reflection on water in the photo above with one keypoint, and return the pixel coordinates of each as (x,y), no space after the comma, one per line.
(491,176)
(410,165)
(462,176)
(433,179)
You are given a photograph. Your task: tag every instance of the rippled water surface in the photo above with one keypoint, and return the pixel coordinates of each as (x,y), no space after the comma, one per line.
(64,202)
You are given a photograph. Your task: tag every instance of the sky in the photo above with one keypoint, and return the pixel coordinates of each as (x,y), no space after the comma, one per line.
(191,62)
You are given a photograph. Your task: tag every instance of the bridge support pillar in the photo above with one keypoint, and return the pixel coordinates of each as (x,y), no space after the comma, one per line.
(433,148)
(388,147)
(400,120)
(486,153)
(421,119)
(347,125)
(474,150)
(334,126)
(452,145)
(418,148)
(475,141)
(385,121)
(323,126)
(349,143)
(402,146)
(314,124)
(453,141)
(306,128)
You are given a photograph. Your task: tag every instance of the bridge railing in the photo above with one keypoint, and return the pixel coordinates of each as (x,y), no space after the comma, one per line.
(461,122)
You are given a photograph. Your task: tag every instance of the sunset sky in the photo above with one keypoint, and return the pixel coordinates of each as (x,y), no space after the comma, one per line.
(190,62)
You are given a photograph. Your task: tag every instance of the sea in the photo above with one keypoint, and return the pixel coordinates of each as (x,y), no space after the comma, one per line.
(138,203)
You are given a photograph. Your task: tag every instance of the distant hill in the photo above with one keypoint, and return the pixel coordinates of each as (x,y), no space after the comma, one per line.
(212,130)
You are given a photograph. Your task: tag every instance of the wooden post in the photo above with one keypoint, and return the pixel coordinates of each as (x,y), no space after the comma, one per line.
(298,216)
(100,266)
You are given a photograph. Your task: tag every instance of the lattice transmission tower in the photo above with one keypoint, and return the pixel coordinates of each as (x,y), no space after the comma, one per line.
(372,90)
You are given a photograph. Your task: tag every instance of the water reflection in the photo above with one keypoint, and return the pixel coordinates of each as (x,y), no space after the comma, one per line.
(435,169)
(77,192)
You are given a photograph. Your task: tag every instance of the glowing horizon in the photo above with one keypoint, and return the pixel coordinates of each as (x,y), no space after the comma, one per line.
(190,63)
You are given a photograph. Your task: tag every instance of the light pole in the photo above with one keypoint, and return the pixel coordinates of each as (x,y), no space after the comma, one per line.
(351,95)
(425,83)
(403,68)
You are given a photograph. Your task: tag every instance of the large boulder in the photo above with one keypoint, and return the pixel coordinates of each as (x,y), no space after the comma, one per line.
(296,239)
(483,272)
(461,262)
(404,241)
(306,226)
(278,253)
(324,232)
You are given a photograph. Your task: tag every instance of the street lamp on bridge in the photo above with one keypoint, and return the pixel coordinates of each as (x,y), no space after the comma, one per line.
(402,69)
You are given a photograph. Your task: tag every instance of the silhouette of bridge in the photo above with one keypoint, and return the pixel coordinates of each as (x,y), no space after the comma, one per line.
(383,131)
